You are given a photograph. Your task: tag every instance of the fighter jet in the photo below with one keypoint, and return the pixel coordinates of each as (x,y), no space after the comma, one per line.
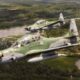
(35,47)
(44,24)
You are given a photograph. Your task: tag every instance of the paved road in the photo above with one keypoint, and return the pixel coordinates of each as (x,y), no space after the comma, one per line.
(12,32)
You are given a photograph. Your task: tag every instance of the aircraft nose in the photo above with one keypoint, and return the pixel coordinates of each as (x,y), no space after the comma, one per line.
(9,58)
(6,58)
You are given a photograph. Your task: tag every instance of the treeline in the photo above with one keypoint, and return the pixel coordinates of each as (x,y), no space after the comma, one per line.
(7,42)
(19,15)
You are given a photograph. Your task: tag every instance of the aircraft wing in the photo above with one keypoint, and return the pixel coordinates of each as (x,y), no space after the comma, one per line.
(43,27)
(50,24)
(51,49)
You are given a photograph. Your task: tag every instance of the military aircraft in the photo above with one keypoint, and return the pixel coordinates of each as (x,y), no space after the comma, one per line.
(35,47)
(44,24)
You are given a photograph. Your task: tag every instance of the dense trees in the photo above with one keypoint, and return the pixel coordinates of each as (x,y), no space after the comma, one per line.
(4,44)
(19,15)
(7,42)
(39,71)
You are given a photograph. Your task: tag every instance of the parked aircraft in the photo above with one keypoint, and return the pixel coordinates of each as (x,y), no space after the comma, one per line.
(34,47)
(65,42)
(44,24)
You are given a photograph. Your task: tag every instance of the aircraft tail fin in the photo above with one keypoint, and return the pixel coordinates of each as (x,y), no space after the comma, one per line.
(73,32)
(73,28)
(61,18)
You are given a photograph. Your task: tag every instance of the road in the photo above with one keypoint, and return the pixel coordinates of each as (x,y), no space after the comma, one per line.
(12,32)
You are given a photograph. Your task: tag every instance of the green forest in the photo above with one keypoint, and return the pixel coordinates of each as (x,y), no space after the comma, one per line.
(19,15)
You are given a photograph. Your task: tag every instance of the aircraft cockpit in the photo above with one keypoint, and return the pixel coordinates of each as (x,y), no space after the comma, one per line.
(26,40)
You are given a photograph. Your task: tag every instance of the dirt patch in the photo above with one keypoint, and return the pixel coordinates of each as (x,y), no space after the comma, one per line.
(12,32)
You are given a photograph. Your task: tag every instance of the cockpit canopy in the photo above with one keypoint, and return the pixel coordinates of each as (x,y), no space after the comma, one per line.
(26,40)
